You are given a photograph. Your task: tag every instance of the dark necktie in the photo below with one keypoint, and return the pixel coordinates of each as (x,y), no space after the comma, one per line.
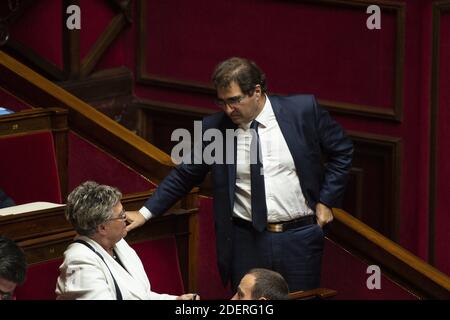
(258,194)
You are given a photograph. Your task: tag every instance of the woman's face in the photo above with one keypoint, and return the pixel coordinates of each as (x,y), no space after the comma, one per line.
(116,224)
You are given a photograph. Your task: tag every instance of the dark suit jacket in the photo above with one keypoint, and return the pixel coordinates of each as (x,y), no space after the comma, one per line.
(5,201)
(309,132)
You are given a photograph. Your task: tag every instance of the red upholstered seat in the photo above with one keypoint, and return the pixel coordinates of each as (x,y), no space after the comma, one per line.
(159,257)
(160,260)
(40,283)
(29,171)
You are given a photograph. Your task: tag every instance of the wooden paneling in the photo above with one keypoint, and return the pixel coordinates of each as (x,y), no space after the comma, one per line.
(103,85)
(34,60)
(373,192)
(51,119)
(157,120)
(84,120)
(319,293)
(399,265)
(438,139)
(353,198)
(111,92)
(393,112)
(73,68)
(102,44)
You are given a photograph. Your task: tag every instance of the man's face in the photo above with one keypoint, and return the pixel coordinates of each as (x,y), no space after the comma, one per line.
(245,288)
(239,107)
(6,289)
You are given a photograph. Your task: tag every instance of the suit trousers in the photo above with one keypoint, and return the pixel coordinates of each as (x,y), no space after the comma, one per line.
(296,254)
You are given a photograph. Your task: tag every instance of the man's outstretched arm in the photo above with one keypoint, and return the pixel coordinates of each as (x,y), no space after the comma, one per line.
(179,182)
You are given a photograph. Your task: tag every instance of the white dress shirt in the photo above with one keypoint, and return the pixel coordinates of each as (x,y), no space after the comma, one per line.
(284,198)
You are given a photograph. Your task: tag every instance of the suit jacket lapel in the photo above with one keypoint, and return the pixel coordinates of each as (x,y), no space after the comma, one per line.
(289,131)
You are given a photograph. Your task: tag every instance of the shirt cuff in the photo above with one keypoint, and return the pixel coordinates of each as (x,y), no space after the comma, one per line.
(146,213)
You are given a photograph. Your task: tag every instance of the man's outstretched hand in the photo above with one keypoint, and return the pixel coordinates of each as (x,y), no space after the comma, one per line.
(135,219)
(189,296)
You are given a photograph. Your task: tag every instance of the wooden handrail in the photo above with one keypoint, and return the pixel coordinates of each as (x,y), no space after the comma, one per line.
(318,293)
(397,263)
(85,120)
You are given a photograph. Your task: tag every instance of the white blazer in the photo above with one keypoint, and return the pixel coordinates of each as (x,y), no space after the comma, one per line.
(84,275)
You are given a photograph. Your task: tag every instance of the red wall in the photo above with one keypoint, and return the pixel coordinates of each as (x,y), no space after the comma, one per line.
(326,50)
(316,47)
(349,276)
(11,102)
(442,225)
(40,29)
(88,162)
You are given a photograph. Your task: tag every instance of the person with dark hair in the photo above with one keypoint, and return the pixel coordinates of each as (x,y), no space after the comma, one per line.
(262,284)
(289,166)
(99,264)
(13,267)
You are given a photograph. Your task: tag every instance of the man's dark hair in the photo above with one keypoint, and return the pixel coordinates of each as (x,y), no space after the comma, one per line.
(13,265)
(242,71)
(269,284)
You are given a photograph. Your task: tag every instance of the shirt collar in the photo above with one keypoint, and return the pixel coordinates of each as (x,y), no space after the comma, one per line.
(266,113)
(263,117)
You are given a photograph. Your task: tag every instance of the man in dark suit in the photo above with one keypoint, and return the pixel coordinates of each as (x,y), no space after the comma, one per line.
(269,211)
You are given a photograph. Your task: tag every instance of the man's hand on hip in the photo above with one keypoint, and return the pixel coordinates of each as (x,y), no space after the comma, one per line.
(324,214)
(135,219)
